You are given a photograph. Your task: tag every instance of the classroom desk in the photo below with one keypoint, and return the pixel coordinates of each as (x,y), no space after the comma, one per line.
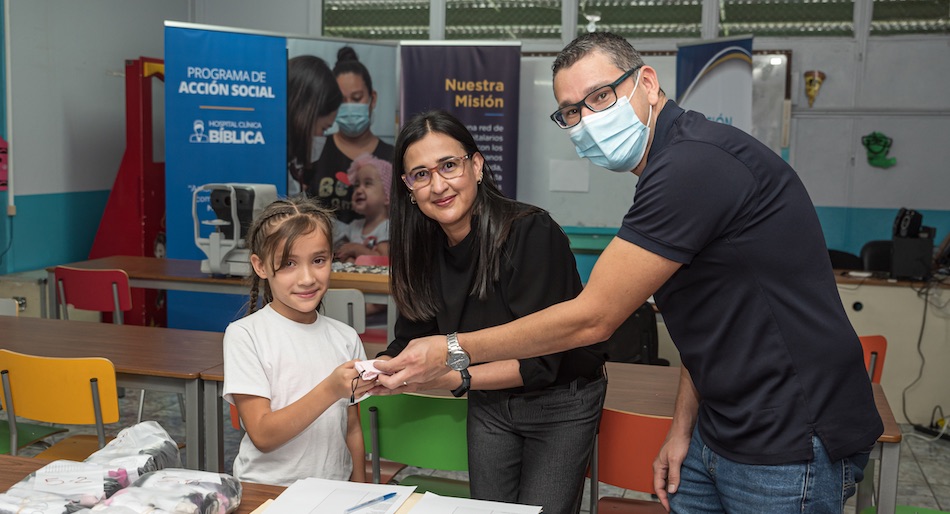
(152,358)
(186,275)
(14,469)
(652,390)
(212,381)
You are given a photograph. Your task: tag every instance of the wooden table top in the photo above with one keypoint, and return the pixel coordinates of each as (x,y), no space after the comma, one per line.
(186,270)
(14,469)
(642,389)
(148,351)
(253,495)
(652,390)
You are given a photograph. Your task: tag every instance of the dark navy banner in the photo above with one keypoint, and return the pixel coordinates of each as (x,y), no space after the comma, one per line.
(477,84)
(225,121)
(715,78)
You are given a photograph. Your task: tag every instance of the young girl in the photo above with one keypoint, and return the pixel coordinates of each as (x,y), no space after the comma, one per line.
(289,370)
(371,178)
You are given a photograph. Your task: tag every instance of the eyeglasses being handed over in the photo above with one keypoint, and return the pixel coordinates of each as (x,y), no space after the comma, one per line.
(420,176)
(600,100)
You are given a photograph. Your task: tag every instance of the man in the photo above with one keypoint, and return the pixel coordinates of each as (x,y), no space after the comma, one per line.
(774,411)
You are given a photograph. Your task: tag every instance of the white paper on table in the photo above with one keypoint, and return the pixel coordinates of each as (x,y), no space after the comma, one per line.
(435,504)
(68,479)
(319,496)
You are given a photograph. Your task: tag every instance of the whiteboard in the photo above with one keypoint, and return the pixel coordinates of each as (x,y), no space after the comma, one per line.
(546,154)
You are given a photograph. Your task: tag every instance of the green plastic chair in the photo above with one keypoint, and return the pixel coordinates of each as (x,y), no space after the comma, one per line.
(419,430)
(27,434)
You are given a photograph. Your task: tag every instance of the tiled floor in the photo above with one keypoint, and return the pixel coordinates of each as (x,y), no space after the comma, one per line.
(924,469)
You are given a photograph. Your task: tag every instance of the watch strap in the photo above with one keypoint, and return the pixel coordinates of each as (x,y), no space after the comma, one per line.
(466,384)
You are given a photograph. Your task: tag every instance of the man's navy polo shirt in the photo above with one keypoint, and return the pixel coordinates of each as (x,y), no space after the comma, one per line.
(754,310)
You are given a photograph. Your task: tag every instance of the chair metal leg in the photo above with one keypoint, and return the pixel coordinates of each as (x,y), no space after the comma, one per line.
(181,406)
(141,406)
(594,477)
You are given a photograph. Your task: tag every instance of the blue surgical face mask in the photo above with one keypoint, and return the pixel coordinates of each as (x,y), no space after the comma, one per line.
(614,138)
(353,118)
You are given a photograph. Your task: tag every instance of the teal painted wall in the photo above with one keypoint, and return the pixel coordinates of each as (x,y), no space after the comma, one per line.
(51,229)
(845,229)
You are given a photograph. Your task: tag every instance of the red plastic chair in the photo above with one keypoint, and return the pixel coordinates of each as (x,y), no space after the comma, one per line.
(875,348)
(626,447)
(372,260)
(105,290)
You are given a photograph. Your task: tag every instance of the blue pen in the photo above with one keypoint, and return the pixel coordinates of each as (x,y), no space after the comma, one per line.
(374,501)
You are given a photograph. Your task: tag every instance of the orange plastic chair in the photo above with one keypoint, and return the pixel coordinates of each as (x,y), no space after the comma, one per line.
(372,260)
(64,391)
(875,348)
(626,447)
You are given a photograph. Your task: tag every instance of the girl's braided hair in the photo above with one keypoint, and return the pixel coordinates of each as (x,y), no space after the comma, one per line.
(273,234)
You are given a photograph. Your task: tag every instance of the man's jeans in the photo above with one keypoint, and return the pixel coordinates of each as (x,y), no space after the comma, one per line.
(711,483)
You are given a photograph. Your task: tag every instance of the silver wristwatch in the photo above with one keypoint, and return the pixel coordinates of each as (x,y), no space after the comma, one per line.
(457,358)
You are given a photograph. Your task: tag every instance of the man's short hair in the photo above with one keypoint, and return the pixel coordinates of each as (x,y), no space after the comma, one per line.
(618,49)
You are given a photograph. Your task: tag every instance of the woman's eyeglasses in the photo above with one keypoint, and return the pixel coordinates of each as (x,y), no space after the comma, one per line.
(421,176)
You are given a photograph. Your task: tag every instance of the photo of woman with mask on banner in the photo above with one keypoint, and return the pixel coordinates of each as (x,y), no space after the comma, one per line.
(353,137)
(313,98)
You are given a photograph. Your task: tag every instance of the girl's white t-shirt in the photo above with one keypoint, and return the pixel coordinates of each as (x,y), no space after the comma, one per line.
(268,355)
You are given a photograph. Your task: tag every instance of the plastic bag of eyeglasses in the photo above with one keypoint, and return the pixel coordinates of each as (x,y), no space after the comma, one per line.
(71,492)
(135,451)
(175,491)
(349,267)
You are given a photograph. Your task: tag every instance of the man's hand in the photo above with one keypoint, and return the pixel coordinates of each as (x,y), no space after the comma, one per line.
(666,468)
(422,361)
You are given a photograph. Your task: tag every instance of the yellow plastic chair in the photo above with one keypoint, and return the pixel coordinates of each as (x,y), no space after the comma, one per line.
(59,390)
(626,446)
(419,430)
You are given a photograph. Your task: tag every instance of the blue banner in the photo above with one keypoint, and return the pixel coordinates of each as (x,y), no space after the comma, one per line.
(225,121)
(479,86)
(715,78)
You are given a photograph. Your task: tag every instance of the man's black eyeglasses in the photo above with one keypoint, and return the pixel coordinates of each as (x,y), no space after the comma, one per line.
(600,100)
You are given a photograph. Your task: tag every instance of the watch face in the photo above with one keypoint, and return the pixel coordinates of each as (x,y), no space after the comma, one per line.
(457,360)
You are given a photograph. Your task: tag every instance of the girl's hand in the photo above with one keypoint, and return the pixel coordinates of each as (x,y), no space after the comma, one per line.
(341,381)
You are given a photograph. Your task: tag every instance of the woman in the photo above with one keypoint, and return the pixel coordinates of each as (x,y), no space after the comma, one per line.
(354,137)
(463,257)
(313,98)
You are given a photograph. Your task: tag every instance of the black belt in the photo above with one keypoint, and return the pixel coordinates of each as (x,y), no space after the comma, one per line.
(580,382)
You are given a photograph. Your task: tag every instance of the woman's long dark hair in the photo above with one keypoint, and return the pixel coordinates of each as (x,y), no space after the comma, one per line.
(416,240)
(312,92)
